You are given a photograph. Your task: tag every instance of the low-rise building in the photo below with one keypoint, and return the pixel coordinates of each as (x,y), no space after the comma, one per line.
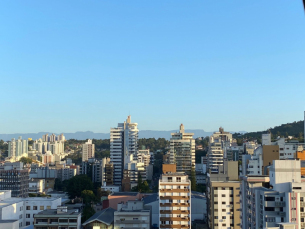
(100,220)
(58,218)
(133,214)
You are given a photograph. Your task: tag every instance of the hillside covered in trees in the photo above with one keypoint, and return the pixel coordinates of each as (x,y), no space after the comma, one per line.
(295,129)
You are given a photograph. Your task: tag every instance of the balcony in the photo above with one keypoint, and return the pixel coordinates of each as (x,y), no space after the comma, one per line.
(173,226)
(280,204)
(174,218)
(175,212)
(174,197)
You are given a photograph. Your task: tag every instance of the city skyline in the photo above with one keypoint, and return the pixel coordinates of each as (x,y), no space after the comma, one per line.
(73,66)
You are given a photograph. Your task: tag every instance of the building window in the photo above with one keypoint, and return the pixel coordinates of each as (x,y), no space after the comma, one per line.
(42,208)
(34,207)
(28,216)
(48,207)
(27,223)
(178,179)
(223,210)
(223,195)
(28,207)
(223,202)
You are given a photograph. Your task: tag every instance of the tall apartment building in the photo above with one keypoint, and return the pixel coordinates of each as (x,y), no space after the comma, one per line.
(15,178)
(174,198)
(223,201)
(218,143)
(182,150)
(123,143)
(276,200)
(18,148)
(95,169)
(88,150)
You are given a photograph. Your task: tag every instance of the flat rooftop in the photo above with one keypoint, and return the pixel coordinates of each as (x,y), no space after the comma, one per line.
(54,212)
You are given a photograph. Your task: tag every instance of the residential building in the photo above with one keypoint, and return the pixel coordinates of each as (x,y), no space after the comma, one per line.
(24,209)
(88,150)
(182,151)
(278,197)
(132,214)
(218,143)
(234,153)
(48,158)
(15,178)
(198,207)
(58,218)
(95,169)
(260,160)
(174,199)
(101,220)
(18,148)
(123,143)
(109,174)
(36,186)
(301,156)
(223,201)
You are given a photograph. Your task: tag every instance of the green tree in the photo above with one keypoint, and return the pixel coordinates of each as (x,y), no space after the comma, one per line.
(77,184)
(88,211)
(26,160)
(88,197)
(193,179)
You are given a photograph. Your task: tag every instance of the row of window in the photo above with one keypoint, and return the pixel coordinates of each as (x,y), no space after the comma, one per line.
(36,208)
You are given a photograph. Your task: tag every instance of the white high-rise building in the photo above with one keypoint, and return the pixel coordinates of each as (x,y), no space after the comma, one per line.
(218,144)
(18,148)
(123,143)
(88,150)
(182,150)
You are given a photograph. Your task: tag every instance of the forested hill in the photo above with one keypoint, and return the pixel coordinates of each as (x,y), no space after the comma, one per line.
(295,129)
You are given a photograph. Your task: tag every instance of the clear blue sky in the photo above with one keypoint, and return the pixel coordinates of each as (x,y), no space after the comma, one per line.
(76,65)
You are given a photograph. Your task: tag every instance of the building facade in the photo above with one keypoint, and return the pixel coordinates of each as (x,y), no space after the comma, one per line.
(123,143)
(182,151)
(174,199)
(88,150)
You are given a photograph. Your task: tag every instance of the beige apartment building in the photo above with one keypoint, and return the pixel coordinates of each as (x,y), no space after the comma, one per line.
(174,199)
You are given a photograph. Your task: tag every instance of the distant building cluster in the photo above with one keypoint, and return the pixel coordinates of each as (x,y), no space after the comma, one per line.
(237,184)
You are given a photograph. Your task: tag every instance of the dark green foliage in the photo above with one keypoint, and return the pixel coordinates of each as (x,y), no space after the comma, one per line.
(295,129)
(102,154)
(77,184)
(198,155)
(26,160)
(153,144)
(204,142)
(88,211)
(143,188)
(200,188)
(101,144)
(193,180)
(88,197)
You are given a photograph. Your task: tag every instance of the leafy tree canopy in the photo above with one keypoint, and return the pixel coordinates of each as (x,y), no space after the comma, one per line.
(77,184)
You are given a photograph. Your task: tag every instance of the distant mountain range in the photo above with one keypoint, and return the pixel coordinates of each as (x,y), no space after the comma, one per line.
(90,135)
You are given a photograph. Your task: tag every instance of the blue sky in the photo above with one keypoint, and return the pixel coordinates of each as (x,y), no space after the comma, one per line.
(76,65)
